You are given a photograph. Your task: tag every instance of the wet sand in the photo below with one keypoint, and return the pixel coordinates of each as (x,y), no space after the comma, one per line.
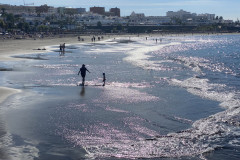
(5,92)
(9,48)
(74,109)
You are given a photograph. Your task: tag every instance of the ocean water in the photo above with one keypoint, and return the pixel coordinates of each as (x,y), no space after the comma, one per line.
(174,99)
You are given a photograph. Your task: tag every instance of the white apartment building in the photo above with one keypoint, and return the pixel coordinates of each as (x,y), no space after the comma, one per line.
(208,16)
(157,20)
(136,18)
(93,19)
(180,14)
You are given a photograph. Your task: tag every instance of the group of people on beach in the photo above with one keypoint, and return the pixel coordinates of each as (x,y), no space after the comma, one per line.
(94,38)
(83,70)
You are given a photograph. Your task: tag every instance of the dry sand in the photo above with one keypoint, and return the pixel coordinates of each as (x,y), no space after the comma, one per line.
(12,47)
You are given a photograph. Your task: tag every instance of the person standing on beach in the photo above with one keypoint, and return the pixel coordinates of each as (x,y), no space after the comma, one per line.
(60,47)
(83,70)
(63,47)
(104,79)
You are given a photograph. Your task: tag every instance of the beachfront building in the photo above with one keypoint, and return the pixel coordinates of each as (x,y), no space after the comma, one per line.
(208,16)
(141,19)
(179,14)
(92,19)
(115,11)
(16,10)
(184,17)
(81,10)
(204,18)
(101,11)
(72,11)
(63,18)
(98,10)
(137,18)
(157,20)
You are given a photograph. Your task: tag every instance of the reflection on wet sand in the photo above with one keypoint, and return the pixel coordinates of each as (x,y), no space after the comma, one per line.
(3,155)
(82,93)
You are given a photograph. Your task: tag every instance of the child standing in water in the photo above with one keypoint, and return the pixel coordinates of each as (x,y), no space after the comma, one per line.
(104,79)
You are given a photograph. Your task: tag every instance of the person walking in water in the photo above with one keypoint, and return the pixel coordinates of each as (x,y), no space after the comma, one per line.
(83,70)
(104,79)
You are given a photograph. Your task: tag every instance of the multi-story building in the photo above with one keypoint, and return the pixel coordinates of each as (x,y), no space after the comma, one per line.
(98,10)
(115,11)
(208,16)
(46,14)
(137,18)
(71,11)
(157,20)
(193,18)
(81,10)
(18,9)
(179,14)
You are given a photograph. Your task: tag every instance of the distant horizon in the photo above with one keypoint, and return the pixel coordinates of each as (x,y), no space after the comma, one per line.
(228,9)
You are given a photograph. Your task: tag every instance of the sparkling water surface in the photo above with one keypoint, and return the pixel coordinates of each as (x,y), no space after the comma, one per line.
(178,99)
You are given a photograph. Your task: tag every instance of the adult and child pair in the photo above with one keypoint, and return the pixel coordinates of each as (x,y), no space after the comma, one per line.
(83,71)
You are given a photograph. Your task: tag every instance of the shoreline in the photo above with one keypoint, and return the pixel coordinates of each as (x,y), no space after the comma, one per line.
(12,47)
(41,126)
(6,92)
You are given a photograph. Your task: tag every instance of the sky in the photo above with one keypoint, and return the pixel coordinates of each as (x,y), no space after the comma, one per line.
(228,9)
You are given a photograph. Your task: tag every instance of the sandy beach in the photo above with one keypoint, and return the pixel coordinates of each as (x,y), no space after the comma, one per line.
(24,46)
(9,47)
(176,95)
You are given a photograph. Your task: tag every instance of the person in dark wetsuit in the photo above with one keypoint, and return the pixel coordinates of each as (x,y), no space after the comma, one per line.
(83,70)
